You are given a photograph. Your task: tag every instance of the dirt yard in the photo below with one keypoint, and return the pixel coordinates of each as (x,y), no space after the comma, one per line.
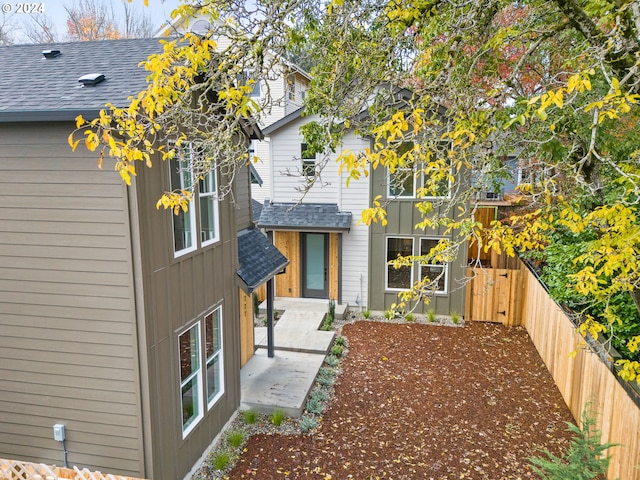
(419,401)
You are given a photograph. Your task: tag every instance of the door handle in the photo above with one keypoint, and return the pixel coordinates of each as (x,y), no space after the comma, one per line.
(504,312)
(505,275)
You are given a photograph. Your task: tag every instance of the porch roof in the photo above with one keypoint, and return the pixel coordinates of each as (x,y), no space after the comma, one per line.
(259,259)
(304,216)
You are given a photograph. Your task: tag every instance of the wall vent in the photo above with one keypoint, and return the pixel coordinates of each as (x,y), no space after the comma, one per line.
(91,80)
(51,53)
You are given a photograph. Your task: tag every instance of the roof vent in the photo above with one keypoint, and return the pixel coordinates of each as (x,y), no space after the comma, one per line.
(91,80)
(51,53)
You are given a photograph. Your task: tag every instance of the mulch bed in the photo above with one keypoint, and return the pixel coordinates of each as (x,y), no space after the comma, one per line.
(418,401)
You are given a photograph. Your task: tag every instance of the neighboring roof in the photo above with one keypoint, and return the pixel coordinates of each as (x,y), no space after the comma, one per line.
(304,216)
(259,259)
(255,176)
(256,210)
(35,88)
(282,122)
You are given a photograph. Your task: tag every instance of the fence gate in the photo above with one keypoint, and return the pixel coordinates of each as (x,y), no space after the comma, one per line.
(494,295)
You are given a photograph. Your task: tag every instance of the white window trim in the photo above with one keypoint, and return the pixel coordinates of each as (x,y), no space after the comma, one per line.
(444,265)
(195,219)
(387,266)
(199,381)
(220,354)
(216,207)
(418,182)
(192,218)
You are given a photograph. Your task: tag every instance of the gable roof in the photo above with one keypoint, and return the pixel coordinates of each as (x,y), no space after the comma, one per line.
(259,259)
(35,88)
(308,216)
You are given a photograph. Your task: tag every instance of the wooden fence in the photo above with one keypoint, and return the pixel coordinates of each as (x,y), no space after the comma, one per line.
(16,470)
(584,378)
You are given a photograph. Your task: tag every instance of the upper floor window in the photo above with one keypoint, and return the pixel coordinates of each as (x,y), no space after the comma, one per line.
(202,213)
(291,88)
(308,161)
(417,181)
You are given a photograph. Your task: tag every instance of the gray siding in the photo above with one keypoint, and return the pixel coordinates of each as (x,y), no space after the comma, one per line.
(177,293)
(242,193)
(67,320)
(402,218)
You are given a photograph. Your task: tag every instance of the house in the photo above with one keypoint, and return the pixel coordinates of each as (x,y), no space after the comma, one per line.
(281,93)
(332,254)
(119,321)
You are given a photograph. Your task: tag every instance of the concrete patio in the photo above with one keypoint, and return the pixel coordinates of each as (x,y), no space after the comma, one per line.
(284,381)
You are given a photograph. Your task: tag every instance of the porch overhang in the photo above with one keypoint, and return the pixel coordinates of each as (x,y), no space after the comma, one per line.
(320,217)
(259,259)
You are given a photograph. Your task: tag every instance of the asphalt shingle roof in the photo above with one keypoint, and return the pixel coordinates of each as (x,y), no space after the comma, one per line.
(259,258)
(309,216)
(33,87)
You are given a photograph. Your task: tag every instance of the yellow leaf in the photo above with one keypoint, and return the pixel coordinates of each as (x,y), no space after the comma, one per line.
(79,121)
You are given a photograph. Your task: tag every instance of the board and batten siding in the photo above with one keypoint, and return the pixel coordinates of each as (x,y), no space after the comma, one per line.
(179,292)
(330,188)
(68,349)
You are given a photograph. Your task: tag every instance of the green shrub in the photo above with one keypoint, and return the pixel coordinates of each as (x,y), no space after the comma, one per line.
(235,438)
(249,417)
(277,417)
(409,317)
(326,376)
(583,460)
(337,350)
(388,314)
(332,308)
(366,314)
(221,460)
(315,406)
(455,318)
(340,341)
(320,394)
(431,315)
(307,423)
(332,361)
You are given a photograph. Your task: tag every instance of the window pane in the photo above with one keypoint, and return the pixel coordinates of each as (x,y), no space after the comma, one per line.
(214,376)
(432,270)
(213,338)
(207,219)
(190,404)
(181,179)
(399,278)
(401,183)
(208,183)
(189,353)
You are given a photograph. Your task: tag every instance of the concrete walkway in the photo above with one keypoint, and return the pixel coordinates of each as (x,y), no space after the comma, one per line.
(284,381)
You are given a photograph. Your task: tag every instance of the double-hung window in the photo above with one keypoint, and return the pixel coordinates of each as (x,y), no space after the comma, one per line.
(208,196)
(418,180)
(184,223)
(436,272)
(192,403)
(399,278)
(201,368)
(308,161)
(213,351)
(202,212)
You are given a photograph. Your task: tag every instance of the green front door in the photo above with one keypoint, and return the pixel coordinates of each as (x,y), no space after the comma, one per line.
(315,265)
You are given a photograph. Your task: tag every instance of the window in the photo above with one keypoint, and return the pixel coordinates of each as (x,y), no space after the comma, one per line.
(436,272)
(208,195)
(213,350)
(203,207)
(190,378)
(399,278)
(413,181)
(308,161)
(184,222)
(291,88)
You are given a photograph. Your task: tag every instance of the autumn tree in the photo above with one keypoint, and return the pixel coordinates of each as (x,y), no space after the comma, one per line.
(553,83)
